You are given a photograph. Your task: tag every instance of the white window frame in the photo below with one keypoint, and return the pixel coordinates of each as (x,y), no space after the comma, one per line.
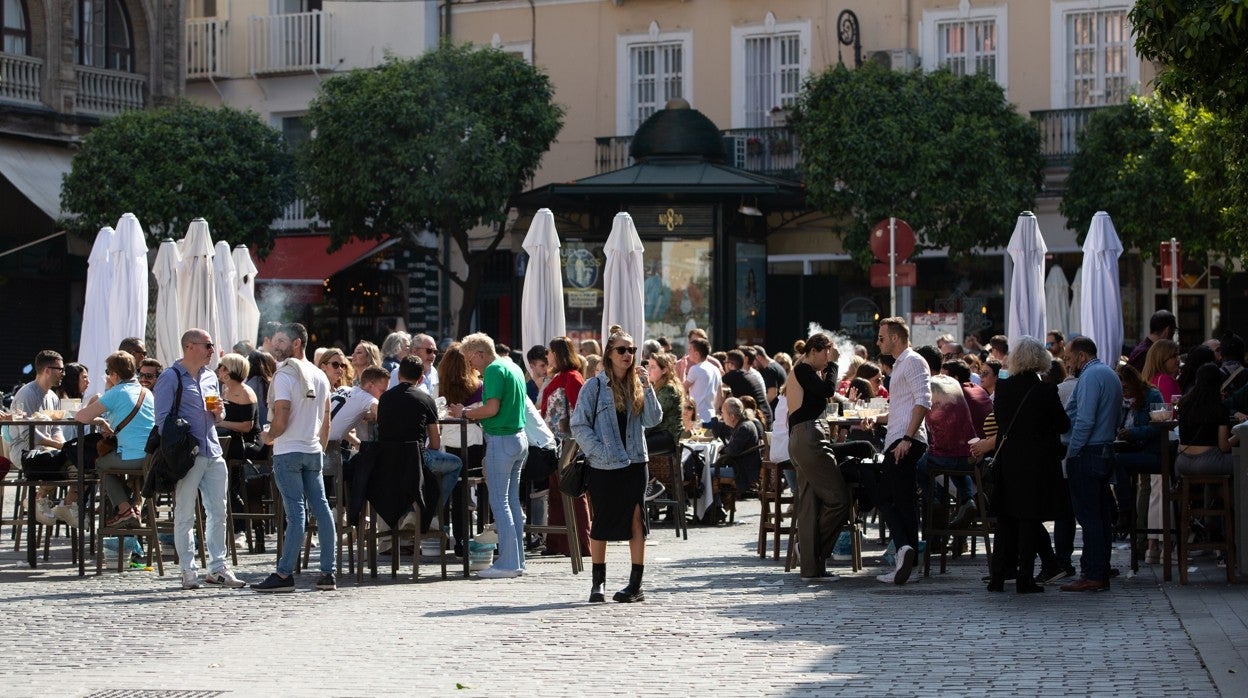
(767,28)
(624,44)
(524,48)
(1059,52)
(929,36)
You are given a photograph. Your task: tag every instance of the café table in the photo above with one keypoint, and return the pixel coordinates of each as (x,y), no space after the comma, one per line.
(32,540)
(709,449)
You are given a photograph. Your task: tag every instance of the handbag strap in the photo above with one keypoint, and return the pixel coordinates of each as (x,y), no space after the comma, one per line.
(137,404)
(1015,419)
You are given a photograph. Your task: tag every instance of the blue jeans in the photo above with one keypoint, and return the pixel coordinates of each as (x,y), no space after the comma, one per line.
(298,477)
(1089,474)
(966,489)
(504,458)
(209,479)
(447,467)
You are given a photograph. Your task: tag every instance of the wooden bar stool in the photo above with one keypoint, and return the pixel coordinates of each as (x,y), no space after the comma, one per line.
(1207,487)
(773,500)
(942,533)
(667,469)
(147,528)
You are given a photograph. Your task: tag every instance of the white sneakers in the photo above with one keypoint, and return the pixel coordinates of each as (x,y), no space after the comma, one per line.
(409,522)
(43,512)
(67,513)
(190,579)
(496,573)
(224,577)
(906,558)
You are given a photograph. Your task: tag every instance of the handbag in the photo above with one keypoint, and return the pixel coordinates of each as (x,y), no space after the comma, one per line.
(108,442)
(991,466)
(573,475)
(175,447)
(45,465)
(659,442)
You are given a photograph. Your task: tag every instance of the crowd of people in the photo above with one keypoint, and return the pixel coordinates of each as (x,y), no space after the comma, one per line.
(1066,431)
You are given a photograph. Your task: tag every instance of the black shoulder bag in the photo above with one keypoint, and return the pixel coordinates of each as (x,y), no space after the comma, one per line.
(573,469)
(173,447)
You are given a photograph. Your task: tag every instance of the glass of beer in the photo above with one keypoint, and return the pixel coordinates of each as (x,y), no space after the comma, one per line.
(211,402)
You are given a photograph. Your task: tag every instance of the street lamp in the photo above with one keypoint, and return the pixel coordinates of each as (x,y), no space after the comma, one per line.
(847,34)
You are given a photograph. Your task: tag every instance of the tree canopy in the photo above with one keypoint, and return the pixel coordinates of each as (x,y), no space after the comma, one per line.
(445,139)
(173,164)
(947,154)
(1150,165)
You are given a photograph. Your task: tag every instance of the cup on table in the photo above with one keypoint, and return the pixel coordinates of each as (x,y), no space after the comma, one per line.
(1159,411)
(211,402)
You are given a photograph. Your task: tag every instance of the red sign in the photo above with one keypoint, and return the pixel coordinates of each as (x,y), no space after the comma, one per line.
(906,275)
(1168,272)
(903,241)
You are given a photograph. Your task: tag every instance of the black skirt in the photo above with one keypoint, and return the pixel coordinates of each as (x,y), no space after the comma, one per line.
(615,495)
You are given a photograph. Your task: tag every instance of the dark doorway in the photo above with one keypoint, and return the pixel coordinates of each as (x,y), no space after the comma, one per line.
(797,301)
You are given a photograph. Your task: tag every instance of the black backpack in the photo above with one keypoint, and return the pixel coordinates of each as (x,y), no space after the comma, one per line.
(173,448)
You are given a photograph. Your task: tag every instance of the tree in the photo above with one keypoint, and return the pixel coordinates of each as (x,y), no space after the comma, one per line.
(947,154)
(1148,163)
(171,165)
(1202,49)
(445,138)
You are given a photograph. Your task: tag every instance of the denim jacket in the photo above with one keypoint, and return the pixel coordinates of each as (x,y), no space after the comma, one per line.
(597,430)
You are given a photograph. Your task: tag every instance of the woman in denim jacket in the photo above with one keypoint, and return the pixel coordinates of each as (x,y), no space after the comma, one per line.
(609,422)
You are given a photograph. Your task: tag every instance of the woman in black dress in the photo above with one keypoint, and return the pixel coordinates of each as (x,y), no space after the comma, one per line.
(1029,488)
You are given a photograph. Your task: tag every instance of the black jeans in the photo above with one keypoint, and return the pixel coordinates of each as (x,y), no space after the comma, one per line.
(897,500)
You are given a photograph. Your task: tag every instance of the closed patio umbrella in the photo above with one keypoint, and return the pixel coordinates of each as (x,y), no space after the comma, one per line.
(93,345)
(541,303)
(1057,299)
(127,294)
(227,296)
(197,301)
(1027,307)
(169,327)
(245,284)
(1101,305)
(623,290)
(1074,322)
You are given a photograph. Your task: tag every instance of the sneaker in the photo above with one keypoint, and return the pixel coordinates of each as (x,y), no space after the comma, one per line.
(327,582)
(275,583)
(409,522)
(67,513)
(906,558)
(825,577)
(654,490)
(497,573)
(123,520)
(43,512)
(224,577)
(965,515)
(889,578)
(240,540)
(1055,576)
(190,579)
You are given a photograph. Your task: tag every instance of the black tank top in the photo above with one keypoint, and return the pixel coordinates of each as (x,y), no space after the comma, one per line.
(815,394)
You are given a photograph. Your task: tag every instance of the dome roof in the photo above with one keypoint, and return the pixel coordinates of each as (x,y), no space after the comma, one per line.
(678,130)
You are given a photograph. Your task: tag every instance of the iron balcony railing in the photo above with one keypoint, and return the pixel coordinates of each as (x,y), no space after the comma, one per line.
(1059,131)
(772,151)
(295,217)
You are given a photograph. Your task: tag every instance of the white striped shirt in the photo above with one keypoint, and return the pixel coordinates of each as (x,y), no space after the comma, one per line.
(908,387)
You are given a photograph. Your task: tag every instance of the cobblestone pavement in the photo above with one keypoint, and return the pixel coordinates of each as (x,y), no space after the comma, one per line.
(717,620)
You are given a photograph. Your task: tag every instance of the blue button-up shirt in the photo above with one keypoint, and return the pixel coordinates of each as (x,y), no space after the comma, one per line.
(1095,408)
(192,409)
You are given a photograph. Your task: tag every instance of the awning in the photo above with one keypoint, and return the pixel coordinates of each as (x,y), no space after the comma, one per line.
(36,169)
(302,259)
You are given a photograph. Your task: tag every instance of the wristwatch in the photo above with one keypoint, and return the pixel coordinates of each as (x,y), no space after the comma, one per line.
(909,439)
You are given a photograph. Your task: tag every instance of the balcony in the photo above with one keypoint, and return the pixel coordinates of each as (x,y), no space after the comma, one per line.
(291,43)
(1059,129)
(772,151)
(108,92)
(295,218)
(20,78)
(205,49)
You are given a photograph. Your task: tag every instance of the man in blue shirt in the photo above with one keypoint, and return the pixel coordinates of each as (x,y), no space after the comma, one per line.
(1094,410)
(208,478)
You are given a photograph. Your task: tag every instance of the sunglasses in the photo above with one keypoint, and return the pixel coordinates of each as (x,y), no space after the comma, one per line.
(149,376)
(337,364)
(626,350)
(208,345)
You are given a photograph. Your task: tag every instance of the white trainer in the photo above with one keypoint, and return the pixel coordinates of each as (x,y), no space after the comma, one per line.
(43,512)
(496,573)
(67,513)
(224,577)
(190,579)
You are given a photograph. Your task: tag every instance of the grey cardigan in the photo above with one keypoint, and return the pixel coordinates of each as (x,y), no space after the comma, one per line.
(597,430)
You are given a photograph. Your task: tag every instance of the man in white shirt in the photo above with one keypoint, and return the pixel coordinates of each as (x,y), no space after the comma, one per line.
(424,348)
(39,395)
(299,434)
(702,379)
(909,401)
(352,410)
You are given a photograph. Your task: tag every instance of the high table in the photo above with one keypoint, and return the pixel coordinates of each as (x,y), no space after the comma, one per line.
(709,451)
(32,540)
(463,536)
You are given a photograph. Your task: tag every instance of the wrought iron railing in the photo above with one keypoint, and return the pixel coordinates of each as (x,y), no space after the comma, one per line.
(290,43)
(1059,130)
(295,217)
(108,92)
(205,48)
(20,78)
(772,150)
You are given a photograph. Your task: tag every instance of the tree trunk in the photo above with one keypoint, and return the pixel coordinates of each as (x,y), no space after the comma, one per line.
(470,287)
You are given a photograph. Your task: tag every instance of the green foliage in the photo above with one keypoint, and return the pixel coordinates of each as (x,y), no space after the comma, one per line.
(444,138)
(1202,46)
(171,165)
(947,154)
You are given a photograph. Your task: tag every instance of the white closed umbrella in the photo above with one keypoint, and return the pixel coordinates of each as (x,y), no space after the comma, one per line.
(1057,299)
(169,327)
(1101,304)
(1027,313)
(93,344)
(197,301)
(227,296)
(127,295)
(248,321)
(1074,321)
(623,289)
(541,301)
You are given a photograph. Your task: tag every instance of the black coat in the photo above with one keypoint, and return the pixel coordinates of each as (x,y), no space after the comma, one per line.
(390,475)
(1029,461)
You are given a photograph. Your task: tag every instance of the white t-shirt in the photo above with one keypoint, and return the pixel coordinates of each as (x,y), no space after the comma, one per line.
(347,412)
(704,382)
(303,431)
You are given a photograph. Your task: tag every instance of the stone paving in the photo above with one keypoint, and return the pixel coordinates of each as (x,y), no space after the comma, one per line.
(717,621)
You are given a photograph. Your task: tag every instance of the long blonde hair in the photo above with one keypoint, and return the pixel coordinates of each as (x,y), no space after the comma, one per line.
(626,390)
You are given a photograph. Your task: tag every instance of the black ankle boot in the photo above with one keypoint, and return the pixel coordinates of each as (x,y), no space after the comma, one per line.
(598,594)
(632,593)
